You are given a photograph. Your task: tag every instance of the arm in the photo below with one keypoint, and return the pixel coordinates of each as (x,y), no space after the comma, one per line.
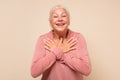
(80,61)
(41,61)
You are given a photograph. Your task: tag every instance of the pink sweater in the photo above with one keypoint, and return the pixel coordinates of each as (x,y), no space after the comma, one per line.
(73,65)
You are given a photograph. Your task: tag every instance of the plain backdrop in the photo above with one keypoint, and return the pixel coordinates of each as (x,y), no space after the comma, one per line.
(22,21)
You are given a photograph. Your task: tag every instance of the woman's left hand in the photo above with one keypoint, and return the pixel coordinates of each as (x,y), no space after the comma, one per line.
(64,45)
(68,45)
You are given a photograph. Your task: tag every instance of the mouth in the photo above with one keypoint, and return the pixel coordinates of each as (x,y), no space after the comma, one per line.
(60,24)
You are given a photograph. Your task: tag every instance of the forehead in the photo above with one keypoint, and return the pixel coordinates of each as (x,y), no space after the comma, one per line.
(59,10)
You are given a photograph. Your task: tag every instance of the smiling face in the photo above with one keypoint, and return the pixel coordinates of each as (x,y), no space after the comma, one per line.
(59,20)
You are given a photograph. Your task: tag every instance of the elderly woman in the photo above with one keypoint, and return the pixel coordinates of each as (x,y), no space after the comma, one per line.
(60,54)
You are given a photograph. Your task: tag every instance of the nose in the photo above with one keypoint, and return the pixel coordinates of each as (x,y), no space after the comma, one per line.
(60,18)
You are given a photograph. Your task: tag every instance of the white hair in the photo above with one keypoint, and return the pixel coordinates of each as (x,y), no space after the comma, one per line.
(58,6)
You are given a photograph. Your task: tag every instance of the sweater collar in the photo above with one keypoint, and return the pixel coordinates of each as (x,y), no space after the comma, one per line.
(70,33)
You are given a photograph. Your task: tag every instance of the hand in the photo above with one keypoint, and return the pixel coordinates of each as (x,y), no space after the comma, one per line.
(50,44)
(68,45)
(64,45)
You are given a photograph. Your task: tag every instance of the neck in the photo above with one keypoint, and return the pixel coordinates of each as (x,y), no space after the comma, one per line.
(60,34)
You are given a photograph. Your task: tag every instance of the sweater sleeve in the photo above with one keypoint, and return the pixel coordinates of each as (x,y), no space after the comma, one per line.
(79,60)
(41,61)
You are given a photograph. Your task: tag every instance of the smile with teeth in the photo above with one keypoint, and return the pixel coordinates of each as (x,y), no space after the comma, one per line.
(60,24)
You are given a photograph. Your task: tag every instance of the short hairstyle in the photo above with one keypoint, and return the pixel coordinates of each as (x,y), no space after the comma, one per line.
(58,6)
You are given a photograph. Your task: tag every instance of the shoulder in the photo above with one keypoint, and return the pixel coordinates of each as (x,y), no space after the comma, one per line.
(77,35)
(44,36)
(80,38)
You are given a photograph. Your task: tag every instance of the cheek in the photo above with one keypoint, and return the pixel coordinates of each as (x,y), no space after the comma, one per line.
(66,19)
(53,20)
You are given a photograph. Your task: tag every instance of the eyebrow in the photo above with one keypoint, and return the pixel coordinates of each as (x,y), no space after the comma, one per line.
(62,13)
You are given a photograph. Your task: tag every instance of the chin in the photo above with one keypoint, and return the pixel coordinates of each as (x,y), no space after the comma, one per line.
(60,30)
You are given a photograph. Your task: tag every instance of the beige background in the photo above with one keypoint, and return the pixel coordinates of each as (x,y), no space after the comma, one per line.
(22,21)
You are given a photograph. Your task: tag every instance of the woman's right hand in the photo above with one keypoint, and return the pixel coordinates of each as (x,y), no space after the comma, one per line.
(50,45)
(64,45)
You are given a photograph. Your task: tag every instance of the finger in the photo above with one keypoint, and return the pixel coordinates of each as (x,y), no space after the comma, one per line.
(70,40)
(73,44)
(73,41)
(64,41)
(60,42)
(47,44)
(46,47)
(72,48)
(48,41)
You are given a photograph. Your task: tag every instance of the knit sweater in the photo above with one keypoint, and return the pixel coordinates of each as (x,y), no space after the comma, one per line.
(73,65)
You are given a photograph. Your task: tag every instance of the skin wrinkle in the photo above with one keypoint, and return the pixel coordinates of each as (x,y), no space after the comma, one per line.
(61,47)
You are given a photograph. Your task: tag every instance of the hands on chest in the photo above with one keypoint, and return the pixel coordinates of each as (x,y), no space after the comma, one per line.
(64,44)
